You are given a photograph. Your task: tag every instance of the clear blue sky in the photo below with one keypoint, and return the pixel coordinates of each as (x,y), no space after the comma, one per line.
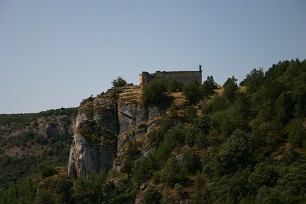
(54,53)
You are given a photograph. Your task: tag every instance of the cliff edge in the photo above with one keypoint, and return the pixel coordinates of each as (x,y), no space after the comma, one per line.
(104,125)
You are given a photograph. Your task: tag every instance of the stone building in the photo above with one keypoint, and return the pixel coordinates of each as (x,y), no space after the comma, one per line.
(180,76)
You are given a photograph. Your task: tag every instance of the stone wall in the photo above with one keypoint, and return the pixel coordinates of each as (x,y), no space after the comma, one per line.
(181,76)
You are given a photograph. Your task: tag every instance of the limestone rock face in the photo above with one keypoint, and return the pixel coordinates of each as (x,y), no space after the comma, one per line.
(104,125)
(86,157)
(130,115)
(95,139)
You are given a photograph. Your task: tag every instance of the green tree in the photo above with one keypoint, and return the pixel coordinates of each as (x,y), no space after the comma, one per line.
(191,161)
(152,196)
(194,136)
(24,191)
(131,155)
(91,189)
(199,190)
(284,107)
(232,188)
(172,172)
(264,174)
(143,169)
(47,169)
(254,80)
(119,82)
(190,113)
(191,91)
(55,190)
(230,88)
(234,117)
(208,87)
(155,92)
(236,152)
(297,133)
(174,86)
(299,98)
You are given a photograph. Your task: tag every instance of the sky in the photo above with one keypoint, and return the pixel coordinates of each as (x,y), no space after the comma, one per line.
(54,53)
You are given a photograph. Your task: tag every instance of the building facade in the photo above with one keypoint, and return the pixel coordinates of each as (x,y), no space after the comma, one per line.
(180,76)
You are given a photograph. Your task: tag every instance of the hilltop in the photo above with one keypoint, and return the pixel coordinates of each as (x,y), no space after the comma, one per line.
(168,142)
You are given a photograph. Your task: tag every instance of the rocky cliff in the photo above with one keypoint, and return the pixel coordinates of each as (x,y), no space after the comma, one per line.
(33,134)
(104,125)
(29,140)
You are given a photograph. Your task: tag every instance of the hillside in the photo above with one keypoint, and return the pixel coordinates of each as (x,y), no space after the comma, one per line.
(192,143)
(27,140)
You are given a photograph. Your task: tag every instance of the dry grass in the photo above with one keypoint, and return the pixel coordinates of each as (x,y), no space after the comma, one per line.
(219,90)
(179,99)
(131,94)
(242,89)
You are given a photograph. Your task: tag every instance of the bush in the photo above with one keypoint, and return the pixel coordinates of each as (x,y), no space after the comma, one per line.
(191,91)
(131,155)
(254,80)
(56,190)
(263,175)
(24,191)
(119,82)
(174,86)
(191,161)
(208,87)
(199,192)
(143,169)
(114,94)
(91,188)
(47,169)
(172,173)
(155,92)
(152,196)
(190,113)
(297,133)
(236,151)
(230,88)
(86,100)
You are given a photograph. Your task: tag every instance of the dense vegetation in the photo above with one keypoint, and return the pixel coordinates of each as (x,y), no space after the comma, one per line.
(17,133)
(119,82)
(246,146)
(156,92)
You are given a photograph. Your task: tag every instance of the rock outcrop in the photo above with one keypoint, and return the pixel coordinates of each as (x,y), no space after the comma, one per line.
(104,125)
(34,134)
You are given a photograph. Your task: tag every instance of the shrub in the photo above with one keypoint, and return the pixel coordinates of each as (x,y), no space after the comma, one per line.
(114,94)
(24,191)
(191,161)
(191,91)
(230,88)
(172,172)
(297,133)
(236,151)
(190,113)
(155,92)
(254,80)
(47,169)
(208,87)
(152,196)
(144,168)
(89,99)
(131,155)
(91,188)
(119,82)
(174,86)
